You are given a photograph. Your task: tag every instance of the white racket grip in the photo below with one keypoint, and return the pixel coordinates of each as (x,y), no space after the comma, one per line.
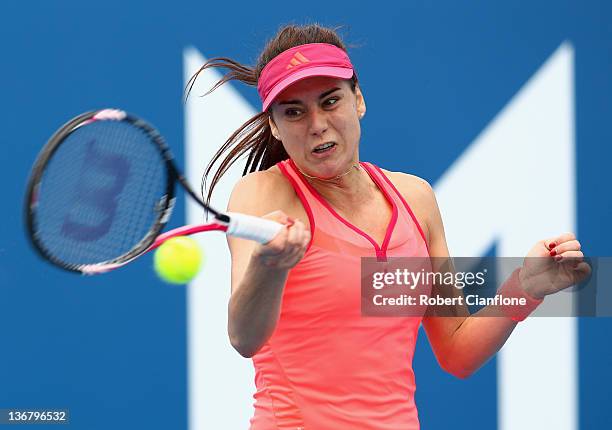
(252,227)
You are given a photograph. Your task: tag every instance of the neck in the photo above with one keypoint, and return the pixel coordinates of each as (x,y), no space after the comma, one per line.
(335,178)
(349,186)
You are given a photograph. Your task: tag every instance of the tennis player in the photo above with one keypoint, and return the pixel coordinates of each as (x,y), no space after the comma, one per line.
(295,301)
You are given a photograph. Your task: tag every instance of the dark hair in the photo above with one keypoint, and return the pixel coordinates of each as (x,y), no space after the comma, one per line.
(255,136)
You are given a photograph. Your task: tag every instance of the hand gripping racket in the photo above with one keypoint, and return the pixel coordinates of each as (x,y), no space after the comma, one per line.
(102,190)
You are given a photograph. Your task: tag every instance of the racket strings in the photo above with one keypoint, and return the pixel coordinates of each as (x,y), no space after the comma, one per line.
(100,193)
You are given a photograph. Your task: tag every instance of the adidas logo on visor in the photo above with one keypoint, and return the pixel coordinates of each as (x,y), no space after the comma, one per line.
(297,59)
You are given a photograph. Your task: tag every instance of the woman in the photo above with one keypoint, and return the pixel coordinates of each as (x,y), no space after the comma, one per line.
(295,302)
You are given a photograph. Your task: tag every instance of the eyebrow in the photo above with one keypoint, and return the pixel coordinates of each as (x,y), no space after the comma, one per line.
(322,96)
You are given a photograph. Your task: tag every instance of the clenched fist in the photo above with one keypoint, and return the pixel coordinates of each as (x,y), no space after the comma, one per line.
(560,265)
(288,246)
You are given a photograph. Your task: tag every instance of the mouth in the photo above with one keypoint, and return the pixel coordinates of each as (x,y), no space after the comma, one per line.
(324,147)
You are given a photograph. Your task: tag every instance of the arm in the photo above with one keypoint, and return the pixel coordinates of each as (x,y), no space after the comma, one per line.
(463,344)
(259,271)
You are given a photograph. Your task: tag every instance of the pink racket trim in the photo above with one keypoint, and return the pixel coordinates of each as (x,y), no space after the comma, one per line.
(94,269)
(186,231)
(105,115)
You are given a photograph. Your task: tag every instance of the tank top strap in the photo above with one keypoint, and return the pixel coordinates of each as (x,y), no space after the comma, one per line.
(404,208)
(310,202)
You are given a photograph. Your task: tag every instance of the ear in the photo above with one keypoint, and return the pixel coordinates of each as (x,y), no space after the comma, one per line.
(360,102)
(273,128)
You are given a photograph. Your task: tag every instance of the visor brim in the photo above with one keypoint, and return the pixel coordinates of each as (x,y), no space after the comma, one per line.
(334,72)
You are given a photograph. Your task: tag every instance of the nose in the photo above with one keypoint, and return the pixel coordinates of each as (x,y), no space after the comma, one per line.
(318,121)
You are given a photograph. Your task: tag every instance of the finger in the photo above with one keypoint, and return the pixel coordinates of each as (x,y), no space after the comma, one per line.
(572,245)
(306,239)
(279,216)
(279,242)
(301,241)
(569,256)
(556,241)
(581,271)
(295,233)
(549,243)
(583,268)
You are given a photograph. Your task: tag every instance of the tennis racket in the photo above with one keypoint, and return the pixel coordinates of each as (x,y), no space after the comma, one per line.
(102,189)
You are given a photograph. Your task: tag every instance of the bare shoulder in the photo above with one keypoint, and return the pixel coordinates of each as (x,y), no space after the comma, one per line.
(419,195)
(413,188)
(262,192)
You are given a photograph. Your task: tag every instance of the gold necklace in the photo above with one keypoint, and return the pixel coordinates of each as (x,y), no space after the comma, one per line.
(355,165)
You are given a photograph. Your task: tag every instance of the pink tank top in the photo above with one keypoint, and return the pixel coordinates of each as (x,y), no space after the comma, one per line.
(327,367)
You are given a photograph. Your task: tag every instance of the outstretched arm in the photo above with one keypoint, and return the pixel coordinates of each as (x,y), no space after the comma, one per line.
(462,344)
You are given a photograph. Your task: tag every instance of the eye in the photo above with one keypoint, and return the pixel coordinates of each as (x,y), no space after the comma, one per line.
(292,112)
(331,101)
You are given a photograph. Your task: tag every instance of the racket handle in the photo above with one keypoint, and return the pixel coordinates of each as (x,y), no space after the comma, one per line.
(252,227)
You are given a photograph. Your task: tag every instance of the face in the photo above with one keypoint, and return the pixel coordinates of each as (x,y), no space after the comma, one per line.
(317,120)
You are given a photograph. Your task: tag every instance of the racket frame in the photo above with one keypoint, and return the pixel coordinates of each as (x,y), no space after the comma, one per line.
(166,203)
(239,225)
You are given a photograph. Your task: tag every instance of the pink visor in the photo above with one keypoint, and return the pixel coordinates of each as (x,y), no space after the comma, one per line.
(300,62)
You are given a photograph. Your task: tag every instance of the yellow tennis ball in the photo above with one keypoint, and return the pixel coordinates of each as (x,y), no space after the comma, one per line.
(178,260)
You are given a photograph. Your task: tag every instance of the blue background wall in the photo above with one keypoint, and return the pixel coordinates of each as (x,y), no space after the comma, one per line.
(113,348)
